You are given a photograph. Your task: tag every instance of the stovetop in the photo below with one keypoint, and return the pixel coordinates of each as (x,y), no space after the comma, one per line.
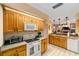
(31,40)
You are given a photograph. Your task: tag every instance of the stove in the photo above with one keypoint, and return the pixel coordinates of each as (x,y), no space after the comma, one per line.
(31,40)
(33,46)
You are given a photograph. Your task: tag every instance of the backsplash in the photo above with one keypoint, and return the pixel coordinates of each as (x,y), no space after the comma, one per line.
(28,34)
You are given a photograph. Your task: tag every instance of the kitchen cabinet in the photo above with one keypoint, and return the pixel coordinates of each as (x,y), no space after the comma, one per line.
(58,41)
(44,45)
(17,51)
(20,24)
(8,21)
(63,42)
(50,39)
(41,25)
(13,22)
(22,53)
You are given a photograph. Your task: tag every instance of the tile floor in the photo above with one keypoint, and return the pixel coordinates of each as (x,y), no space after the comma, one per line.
(57,51)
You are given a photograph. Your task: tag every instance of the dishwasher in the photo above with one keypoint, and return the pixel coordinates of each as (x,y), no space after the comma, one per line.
(73,44)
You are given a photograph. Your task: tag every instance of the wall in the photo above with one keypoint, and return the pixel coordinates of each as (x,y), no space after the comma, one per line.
(50,26)
(1,26)
(28,35)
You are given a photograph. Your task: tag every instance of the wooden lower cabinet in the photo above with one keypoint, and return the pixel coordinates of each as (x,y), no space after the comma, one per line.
(18,51)
(50,39)
(63,42)
(58,41)
(23,53)
(9,53)
(44,45)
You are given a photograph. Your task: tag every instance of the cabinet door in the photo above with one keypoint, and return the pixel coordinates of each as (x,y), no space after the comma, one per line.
(15,21)
(40,25)
(63,42)
(42,46)
(22,53)
(8,21)
(58,40)
(0,53)
(20,24)
(11,52)
(54,40)
(45,44)
(50,39)
(26,19)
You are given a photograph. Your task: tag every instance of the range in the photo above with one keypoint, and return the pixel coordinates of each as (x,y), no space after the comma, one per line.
(33,46)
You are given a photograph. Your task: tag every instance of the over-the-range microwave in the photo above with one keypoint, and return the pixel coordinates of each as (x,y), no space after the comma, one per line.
(30,26)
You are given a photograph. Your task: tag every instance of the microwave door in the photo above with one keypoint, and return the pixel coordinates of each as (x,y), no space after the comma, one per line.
(30,26)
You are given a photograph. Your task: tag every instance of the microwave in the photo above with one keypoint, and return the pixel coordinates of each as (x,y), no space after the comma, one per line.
(30,26)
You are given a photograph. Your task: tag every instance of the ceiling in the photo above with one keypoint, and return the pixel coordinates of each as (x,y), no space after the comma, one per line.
(67,9)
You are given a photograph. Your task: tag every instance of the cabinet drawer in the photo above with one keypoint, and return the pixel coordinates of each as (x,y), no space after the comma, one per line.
(21,48)
(11,52)
(15,51)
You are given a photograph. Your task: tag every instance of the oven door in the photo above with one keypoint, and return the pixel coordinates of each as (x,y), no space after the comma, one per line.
(30,50)
(37,49)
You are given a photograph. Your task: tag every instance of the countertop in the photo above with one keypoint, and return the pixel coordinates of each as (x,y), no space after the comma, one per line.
(41,38)
(6,47)
(59,35)
(70,37)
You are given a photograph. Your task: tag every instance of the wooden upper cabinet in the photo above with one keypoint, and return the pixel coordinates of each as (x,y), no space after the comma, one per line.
(20,24)
(40,24)
(26,19)
(13,22)
(8,21)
